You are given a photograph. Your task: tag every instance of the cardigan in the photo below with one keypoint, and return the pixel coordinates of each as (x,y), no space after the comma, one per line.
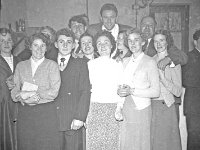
(46,77)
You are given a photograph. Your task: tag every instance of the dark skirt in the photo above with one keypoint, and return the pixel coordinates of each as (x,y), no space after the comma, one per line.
(102,131)
(37,127)
(165,127)
(7,124)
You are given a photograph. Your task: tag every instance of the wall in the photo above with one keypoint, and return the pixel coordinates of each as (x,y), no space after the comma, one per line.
(55,13)
(11,11)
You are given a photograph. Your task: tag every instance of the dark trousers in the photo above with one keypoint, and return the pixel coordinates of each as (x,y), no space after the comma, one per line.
(193,129)
(72,140)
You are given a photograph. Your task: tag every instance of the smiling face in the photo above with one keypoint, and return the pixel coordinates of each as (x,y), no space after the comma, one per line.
(77,28)
(38,49)
(160,43)
(104,46)
(6,44)
(147,27)
(135,43)
(109,18)
(86,45)
(64,44)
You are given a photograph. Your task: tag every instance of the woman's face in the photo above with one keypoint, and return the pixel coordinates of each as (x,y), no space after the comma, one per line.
(104,46)
(86,45)
(160,43)
(120,40)
(38,49)
(6,43)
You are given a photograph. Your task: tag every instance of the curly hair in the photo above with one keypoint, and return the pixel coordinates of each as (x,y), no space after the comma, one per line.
(168,36)
(52,32)
(35,36)
(109,36)
(79,19)
(65,31)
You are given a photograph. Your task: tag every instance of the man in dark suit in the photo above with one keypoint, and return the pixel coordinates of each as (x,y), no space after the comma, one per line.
(191,82)
(175,56)
(74,96)
(108,22)
(8,108)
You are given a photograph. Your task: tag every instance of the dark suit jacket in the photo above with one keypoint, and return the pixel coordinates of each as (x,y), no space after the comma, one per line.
(176,55)
(74,95)
(94,28)
(191,81)
(8,109)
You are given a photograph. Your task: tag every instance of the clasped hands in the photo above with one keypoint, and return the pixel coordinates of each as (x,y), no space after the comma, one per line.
(163,63)
(29,97)
(124,90)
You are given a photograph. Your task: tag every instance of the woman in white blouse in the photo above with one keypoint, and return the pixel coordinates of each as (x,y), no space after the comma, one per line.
(165,128)
(37,83)
(102,128)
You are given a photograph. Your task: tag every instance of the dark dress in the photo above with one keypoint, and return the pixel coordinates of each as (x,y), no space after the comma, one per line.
(7,108)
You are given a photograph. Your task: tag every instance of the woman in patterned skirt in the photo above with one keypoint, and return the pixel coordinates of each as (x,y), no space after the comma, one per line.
(102,128)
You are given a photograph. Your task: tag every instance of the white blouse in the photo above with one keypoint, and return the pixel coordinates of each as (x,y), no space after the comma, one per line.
(104,73)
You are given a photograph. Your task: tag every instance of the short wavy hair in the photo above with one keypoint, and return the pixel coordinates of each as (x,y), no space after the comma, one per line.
(109,36)
(52,32)
(35,36)
(79,19)
(109,6)
(168,36)
(65,31)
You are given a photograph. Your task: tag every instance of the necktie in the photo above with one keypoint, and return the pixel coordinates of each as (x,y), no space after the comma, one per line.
(62,61)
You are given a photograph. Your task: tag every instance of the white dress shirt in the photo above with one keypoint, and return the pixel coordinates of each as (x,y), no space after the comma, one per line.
(114,31)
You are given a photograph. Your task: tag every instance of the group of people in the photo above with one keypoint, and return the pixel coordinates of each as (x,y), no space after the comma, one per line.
(95,87)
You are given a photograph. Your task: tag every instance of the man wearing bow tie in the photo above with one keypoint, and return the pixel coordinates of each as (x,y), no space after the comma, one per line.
(74,95)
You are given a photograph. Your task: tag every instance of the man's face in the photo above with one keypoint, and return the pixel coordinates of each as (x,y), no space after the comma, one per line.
(135,43)
(5,43)
(64,44)
(109,18)
(78,29)
(147,27)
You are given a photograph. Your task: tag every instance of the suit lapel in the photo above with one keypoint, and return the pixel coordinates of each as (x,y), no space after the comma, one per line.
(5,65)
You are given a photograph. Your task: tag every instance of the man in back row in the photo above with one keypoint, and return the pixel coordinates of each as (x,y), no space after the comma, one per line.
(108,22)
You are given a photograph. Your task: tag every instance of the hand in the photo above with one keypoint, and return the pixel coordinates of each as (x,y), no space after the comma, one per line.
(124,90)
(163,63)
(76,124)
(10,82)
(18,98)
(33,100)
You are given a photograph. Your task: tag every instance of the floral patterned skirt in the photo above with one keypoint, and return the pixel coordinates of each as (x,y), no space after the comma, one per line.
(102,131)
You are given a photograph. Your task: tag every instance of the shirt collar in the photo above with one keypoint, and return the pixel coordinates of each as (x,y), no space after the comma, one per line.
(63,56)
(114,31)
(138,58)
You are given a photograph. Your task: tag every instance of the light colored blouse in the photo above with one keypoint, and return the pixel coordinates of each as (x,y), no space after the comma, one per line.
(46,77)
(142,75)
(171,85)
(104,73)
